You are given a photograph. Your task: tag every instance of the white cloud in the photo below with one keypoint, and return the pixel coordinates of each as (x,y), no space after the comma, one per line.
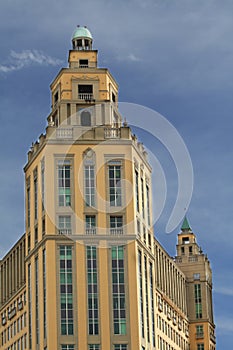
(134,58)
(25,58)
(129,57)
(224,290)
(225,324)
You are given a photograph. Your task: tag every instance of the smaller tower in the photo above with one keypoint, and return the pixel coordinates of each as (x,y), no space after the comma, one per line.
(196,267)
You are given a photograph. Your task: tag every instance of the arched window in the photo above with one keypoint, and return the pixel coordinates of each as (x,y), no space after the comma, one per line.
(86,118)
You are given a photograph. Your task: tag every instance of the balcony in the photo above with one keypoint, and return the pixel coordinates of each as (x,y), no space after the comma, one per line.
(85,96)
(65,231)
(212,337)
(200,335)
(64,133)
(193,259)
(116,231)
(90,231)
(112,133)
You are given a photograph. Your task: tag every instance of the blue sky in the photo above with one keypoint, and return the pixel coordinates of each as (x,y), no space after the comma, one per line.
(175,57)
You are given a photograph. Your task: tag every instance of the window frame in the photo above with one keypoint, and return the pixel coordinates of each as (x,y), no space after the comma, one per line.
(115,190)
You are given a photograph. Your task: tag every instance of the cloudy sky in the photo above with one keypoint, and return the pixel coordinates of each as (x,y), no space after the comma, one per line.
(173,56)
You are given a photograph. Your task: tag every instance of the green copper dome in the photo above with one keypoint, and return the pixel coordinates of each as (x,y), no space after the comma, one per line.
(185,226)
(82,32)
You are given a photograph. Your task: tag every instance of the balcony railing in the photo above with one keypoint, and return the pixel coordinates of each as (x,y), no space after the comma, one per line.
(83,66)
(63,133)
(112,133)
(193,259)
(212,337)
(65,231)
(85,96)
(199,335)
(90,231)
(116,231)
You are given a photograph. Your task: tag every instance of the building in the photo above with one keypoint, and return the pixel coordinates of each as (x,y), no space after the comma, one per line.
(88,273)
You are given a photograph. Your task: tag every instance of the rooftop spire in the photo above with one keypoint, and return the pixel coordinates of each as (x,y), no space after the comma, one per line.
(185,226)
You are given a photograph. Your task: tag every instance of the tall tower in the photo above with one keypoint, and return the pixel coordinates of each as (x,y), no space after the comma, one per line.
(88,196)
(88,273)
(196,267)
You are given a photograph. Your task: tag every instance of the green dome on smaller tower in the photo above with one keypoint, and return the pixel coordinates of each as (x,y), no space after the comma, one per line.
(82,32)
(185,226)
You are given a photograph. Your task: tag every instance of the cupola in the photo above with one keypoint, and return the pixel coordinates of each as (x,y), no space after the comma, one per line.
(82,39)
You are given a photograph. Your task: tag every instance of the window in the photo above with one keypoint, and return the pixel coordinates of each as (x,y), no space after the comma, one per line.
(200,347)
(149,240)
(85,92)
(137,190)
(147,298)
(92,278)
(42,184)
(67,347)
(182,250)
(90,224)
(198,305)
(118,290)
(115,195)
(36,235)
(116,225)
(56,97)
(35,195)
(64,225)
(29,243)
(89,174)
(83,63)
(64,183)
(144,234)
(37,299)
(141,294)
(142,190)
(43,226)
(29,306)
(120,347)
(28,203)
(44,295)
(86,118)
(148,204)
(196,276)
(185,240)
(152,304)
(190,250)
(113,97)
(199,331)
(138,228)
(66,290)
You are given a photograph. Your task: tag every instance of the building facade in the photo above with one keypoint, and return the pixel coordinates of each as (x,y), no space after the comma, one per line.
(88,273)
